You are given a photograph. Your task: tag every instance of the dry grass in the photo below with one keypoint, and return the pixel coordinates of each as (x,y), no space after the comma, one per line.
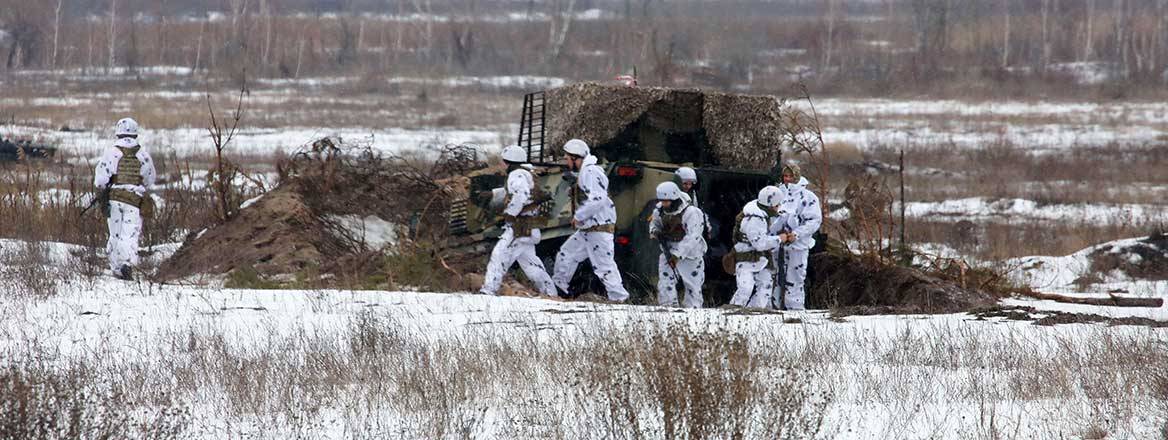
(381,374)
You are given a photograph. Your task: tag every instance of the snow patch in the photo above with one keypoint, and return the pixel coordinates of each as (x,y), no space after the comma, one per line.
(372,231)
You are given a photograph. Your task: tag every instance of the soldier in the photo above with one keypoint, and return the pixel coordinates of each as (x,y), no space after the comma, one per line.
(595,222)
(687,178)
(797,226)
(128,171)
(752,245)
(521,211)
(678,226)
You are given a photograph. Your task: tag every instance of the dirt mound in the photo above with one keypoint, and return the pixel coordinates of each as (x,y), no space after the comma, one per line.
(321,215)
(860,286)
(1145,259)
(279,234)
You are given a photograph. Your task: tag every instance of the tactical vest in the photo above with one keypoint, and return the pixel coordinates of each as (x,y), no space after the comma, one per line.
(739,237)
(532,213)
(129,168)
(129,173)
(673,225)
(538,196)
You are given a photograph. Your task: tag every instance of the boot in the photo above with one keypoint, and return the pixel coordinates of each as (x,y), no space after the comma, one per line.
(126,273)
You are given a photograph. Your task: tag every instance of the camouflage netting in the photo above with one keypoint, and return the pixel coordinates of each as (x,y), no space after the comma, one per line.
(743,131)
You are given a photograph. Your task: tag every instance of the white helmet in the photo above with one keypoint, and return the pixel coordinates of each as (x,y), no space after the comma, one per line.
(668,191)
(126,127)
(686,174)
(576,147)
(514,153)
(770,196)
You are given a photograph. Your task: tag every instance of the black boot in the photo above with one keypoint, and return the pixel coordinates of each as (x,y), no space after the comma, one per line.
(126,273)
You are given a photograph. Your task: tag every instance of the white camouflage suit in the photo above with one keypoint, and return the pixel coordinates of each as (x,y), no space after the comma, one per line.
(125,222)
(510,249)
(800,215)
(596,209)
(754,278)
(690,252)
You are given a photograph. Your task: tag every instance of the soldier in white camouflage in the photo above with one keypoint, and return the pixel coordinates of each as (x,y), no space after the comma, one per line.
(128,171)
(800,220)
(521,210)
(753,245)
(595,223)
(679,227)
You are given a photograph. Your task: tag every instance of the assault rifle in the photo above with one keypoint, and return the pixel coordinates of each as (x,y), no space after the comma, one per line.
(101,198)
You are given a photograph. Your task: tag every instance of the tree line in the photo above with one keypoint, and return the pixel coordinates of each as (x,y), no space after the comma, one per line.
(839,44)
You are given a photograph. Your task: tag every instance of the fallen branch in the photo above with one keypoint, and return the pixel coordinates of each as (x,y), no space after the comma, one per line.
(1112,300)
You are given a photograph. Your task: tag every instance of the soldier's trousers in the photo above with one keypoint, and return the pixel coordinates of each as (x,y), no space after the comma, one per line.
(755,283)
(597,248)
(521,250)
(791,290)
(693,274)
(125,226)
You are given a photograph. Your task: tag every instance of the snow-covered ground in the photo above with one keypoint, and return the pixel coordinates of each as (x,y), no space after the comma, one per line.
(185,142)
(1035,125)
(1065,274)
(339,364)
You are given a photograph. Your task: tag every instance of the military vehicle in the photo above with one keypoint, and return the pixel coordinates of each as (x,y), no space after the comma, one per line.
(14,150)
(641,135)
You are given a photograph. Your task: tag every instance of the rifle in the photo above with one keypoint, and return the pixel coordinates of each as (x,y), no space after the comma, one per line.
(665,252)
(102,197)
(780,278)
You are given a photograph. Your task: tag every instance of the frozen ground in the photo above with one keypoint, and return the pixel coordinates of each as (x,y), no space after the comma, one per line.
(1063,274)
(256,142)
(945,376)
(402,111)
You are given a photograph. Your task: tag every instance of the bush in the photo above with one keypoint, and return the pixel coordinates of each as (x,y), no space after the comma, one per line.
(42,405)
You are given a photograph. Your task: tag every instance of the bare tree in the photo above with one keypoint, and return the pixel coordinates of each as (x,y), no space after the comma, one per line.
(113,16)
(557,39)
(1045,60)
(266,12)
(829,26)
(162,27)
(56,33)
(199,47)
(1006,34)
(1089,34)
(224,174)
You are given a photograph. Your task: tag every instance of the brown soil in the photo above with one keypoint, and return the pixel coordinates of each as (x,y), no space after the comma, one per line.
(851,285)
(279,234)
(1048,318)
(1144,260)
(289,230)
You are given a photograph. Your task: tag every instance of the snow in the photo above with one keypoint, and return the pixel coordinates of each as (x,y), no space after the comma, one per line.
(1018,210)
(1035,125)
(98,73)
(1058,274)
(1086,73)
(372,231)
(260,141)
(898,376)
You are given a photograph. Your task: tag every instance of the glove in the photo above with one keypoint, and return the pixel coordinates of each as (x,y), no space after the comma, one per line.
(509,218)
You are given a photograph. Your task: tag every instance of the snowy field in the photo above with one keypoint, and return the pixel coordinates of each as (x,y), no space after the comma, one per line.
(142,360)
(225,363)
(396,113)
